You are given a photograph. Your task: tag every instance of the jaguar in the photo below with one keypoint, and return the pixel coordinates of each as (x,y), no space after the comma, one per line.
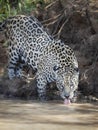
(30,44)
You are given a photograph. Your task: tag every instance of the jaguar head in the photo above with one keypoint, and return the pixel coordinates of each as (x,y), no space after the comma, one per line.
(67,83)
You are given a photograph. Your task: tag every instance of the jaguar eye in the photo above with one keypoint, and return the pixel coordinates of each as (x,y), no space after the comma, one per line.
(71,85)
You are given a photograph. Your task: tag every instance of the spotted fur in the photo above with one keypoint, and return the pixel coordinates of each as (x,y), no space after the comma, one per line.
(31,45)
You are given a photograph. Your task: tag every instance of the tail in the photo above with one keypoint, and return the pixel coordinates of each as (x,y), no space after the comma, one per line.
(2,26)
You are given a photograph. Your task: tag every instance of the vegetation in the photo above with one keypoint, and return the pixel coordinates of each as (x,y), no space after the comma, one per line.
(10,7)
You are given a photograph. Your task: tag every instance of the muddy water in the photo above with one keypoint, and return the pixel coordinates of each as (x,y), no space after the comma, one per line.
(28,115)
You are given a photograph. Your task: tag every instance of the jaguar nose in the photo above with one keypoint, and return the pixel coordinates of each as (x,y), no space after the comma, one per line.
(67,97)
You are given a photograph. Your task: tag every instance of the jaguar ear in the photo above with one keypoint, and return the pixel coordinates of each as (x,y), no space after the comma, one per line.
(55,68)
(76,69)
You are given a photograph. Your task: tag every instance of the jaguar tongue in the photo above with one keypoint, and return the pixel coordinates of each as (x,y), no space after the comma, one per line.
(67,101)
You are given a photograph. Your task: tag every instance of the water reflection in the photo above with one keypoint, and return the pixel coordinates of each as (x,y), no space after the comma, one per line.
(22,115)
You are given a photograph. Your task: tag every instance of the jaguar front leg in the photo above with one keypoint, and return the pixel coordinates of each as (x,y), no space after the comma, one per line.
(41,87)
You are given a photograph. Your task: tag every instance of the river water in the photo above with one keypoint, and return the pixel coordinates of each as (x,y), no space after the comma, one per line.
(33,115)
